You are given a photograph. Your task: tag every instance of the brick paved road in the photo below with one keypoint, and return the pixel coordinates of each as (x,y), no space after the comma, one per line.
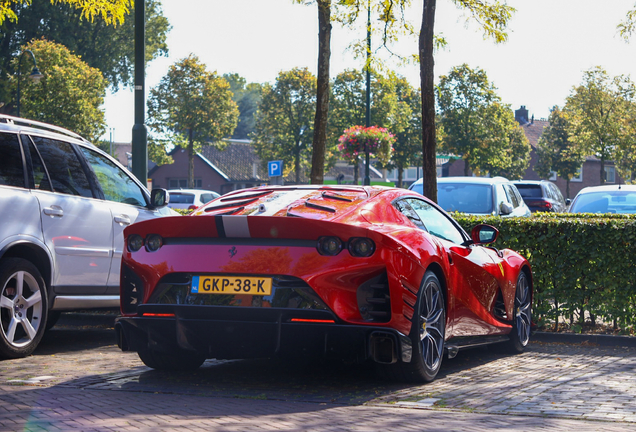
(80,380)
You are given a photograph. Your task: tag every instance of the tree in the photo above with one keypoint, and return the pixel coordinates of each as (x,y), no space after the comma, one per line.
(284,120)
(319,141)
(478,126)
(69,95)
(493,18)
(247,98)
(598,110)
(556,152)
(507,151)
(194,106)
(105,47)
(110,11)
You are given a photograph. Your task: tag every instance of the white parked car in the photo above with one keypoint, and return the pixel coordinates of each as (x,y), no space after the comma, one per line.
(605,199)
(63,207)
(478,196)
(190,199)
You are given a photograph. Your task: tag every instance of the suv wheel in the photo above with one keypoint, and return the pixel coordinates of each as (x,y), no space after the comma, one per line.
(23,307)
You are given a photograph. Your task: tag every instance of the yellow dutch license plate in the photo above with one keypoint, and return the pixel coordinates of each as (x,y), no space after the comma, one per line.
(231,285)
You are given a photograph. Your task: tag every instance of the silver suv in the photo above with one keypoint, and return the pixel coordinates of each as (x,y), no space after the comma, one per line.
(63,207)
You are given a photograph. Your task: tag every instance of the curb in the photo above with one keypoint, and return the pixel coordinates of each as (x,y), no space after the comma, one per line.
(594,339)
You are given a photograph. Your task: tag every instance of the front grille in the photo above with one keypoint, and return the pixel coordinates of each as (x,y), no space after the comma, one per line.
(374,301)
(132,290)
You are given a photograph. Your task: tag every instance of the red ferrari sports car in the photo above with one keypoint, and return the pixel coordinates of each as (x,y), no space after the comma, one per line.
(350,272)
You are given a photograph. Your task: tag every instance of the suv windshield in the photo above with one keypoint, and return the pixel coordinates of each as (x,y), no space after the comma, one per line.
(465,197)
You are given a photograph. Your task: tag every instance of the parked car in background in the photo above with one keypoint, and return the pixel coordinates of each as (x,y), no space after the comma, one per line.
(542,195)
(190,199)
(478,196)
(355,273)
(63,207)
(605,199)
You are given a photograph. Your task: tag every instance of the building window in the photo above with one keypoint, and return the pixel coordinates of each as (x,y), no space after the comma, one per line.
(182,183)
(610,174)
(578,177)
(410,174)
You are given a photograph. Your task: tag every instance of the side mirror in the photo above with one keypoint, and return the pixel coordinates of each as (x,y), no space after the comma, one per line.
(159,198)
(484,234)
(505,208)
(568,201)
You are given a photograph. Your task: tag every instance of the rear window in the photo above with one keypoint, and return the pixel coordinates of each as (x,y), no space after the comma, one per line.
(181,198)
(466,198)
(529,191)
(605,202)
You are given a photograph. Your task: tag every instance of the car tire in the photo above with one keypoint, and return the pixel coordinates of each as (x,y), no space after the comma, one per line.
(427,335)
(522,316)
(23,307)
(178,361)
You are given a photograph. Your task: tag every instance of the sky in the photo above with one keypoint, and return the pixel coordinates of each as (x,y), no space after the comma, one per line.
(551,43)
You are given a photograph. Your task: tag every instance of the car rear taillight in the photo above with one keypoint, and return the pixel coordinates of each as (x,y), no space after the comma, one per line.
(361,247)
(193,207)
(153,242)
(135,242)
(329,246)
(546,205)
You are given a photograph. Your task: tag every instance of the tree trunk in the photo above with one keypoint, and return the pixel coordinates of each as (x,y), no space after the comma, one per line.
(400,177)
(191,159)
(567,188)
(297,161)
(322,95)
(466,168)
(602,173)
(427,63)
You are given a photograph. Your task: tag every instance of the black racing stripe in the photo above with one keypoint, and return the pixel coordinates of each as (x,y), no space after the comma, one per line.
(219,226)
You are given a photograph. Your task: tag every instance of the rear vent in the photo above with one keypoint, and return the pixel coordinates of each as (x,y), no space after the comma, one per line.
(500,308)
(132,291)
(374,301)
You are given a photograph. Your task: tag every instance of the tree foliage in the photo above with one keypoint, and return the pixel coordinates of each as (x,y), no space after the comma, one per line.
(247,97)
(599,110)
(192,106)
(69,95)
(478,126)
(556,152)
(105,47)
(284,121)
(110,11)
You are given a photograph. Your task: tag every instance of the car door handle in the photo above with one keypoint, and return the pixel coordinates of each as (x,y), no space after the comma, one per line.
(53,211)
(122,219)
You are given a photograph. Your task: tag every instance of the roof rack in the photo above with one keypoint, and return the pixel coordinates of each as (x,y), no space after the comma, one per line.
(40,125)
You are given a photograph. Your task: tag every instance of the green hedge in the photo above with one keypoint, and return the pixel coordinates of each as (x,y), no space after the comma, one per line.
(583,265)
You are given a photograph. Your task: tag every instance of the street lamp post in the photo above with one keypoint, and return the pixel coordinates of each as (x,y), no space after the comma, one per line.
(35,75)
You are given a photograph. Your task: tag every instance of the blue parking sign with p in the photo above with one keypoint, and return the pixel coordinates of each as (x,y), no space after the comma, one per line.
(275,168)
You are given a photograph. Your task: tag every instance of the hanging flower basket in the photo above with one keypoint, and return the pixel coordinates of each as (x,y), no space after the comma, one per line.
(356,140)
